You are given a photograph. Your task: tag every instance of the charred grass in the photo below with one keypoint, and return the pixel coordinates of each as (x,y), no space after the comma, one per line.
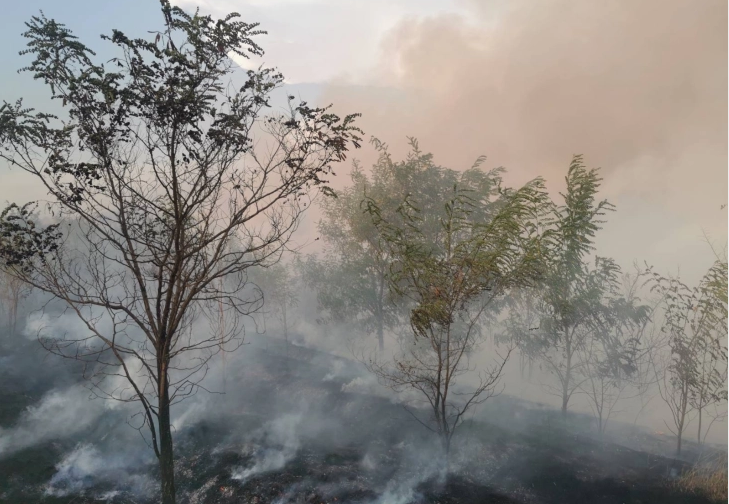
(374,453)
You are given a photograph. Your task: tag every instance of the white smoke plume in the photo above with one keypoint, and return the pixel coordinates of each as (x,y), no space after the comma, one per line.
(274,445)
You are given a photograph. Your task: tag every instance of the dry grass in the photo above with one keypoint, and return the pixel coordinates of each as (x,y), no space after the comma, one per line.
(707,478)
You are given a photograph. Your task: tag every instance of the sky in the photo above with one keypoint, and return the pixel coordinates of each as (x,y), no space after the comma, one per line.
(638,88)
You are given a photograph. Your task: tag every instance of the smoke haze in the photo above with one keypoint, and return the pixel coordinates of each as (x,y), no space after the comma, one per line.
(639,88)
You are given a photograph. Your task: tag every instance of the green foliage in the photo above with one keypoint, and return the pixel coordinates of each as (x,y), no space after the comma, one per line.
(279,292)
(576,312)
(156,84)
(695,326)
(580,217)
(695,322)
(570,291)
(352,279)
(22,242)
(442,273)
(450,266)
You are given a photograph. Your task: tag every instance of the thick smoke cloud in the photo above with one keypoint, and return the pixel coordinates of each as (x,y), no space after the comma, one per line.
(639,88)
(530,83)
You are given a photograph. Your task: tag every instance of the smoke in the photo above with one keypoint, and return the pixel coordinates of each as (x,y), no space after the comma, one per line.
(59,414)
(364,385)
(62,405)
(86,465)
(421,462)
(528,84)
(336,370)
(403,491)
(639,88)
(43,324)
(275,445)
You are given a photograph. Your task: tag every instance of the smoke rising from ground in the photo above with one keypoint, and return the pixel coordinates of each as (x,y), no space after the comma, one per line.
(87,464)
(60,413)
(281,442)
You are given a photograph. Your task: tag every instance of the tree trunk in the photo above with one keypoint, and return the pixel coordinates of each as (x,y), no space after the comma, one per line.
(678,443)
(13,313)
(380,334)
(286,332)
(380,315)
(565,393)
(567,374)
(682,418)
(679,433)
(446,440)
(522,366)
(698,433)
(13,318)
(166,455)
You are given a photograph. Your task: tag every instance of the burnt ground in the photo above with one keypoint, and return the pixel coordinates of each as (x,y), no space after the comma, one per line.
(354,448)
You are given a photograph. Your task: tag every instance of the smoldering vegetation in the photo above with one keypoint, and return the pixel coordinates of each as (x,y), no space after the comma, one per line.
(311,426)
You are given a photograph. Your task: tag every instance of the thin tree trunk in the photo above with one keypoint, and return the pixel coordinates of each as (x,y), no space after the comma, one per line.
(13,313)
(682,422)
(678,443)
(522,365)
(166,455)
(447,449)
(600,405)
(698,433)
(380,315)
(679,428)
(13,318)
(380,334)
(286,331)
(567,378)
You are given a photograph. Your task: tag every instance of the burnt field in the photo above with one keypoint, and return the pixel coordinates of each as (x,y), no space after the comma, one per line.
(310,428)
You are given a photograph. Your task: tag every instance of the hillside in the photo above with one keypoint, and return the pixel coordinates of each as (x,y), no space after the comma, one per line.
(305,429)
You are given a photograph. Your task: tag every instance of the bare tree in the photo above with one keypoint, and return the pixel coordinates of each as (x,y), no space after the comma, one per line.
(452,279)
(170,199)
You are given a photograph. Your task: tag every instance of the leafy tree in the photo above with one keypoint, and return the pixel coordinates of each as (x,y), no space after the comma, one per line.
(451,278)
(571,292)
(613,356)
(279,293)
(156,162)
(695,325)
(13,290)
(351,277)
